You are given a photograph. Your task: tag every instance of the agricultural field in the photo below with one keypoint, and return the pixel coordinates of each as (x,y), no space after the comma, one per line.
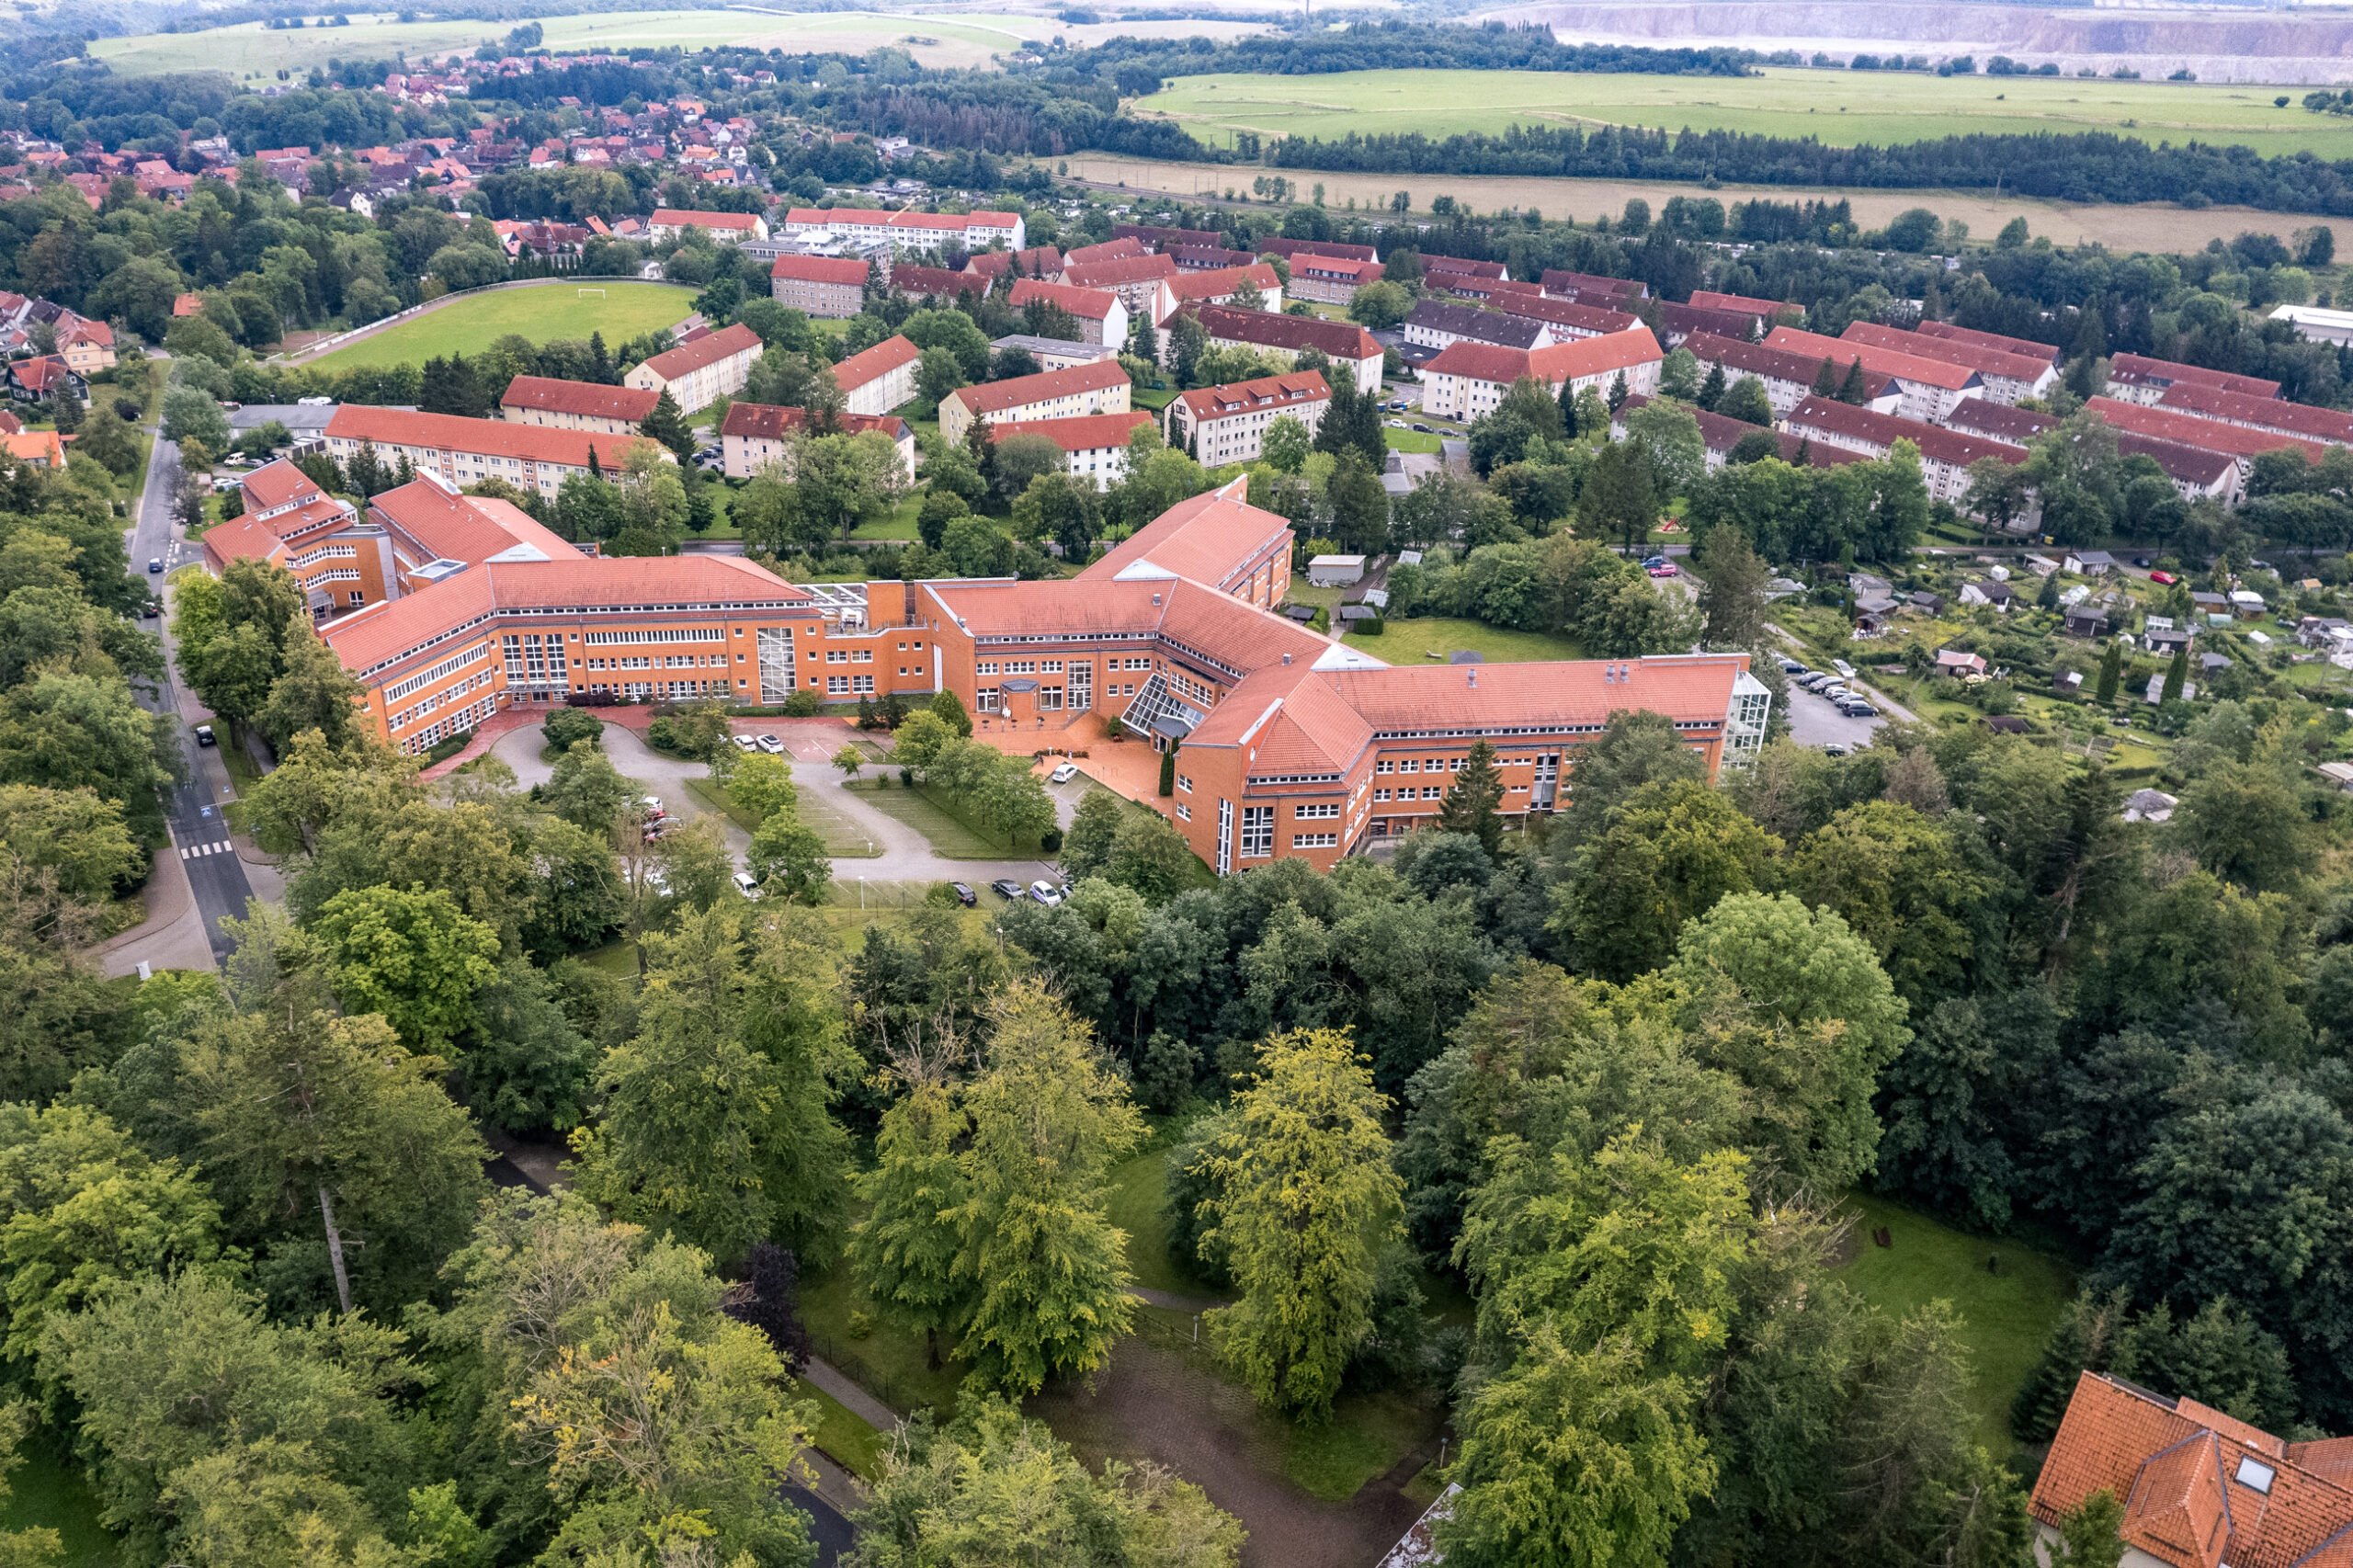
(542,313)
(249,49)
(1842,107)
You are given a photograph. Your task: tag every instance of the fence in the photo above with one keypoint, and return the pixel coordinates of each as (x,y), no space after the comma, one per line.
(328,345)
(863,1372)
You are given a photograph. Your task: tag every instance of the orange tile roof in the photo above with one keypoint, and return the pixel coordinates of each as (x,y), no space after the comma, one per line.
(875,217)
(36,445)
(681,217)
(1088,304)
(387,634)
(275,483)
(1207,538)
(1080,432)
(1578,358)
(2137,367)
(2026,346)
(450,526)
(1338,339)
(1567,312)
(1710,299)
(820,269)
(1117,270)
(1780,364)
(499,437)
(1219,282)
(1237,397)
(1021,390)
(241,538)
(1109,250)
(766,422)
(1443,698)
(589,400)
(2270,413)
(1986,361)
(1936,443)
(692,356)
(875,363)
(2177,1467)
(2171,425)
(1938,373)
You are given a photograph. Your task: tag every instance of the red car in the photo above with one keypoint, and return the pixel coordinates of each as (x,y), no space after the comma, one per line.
(1667,569)
(2163,578)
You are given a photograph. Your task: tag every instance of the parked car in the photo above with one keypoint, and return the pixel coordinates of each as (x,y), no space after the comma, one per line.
(1650,561)
(1792,668)
(653,809)
(1834,751)
(746,885)
(964,893)
(772,744)
(1664,569)
(1007,888)
(204,736)
(1856,708)
(154,566)
(1424,430)
(2163,578)
(1045,893)
(2141,561)
(1064,774)
(747,743)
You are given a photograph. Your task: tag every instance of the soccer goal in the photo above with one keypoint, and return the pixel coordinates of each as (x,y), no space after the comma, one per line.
(585,292)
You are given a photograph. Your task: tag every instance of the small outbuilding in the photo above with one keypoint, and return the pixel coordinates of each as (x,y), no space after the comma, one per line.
(1334,571)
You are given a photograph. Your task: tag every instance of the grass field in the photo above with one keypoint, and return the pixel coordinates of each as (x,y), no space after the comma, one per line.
(1842,107)
(1412,442)
(949,834)
(542,314)
(1414,641)
(856,1446)
(2006,1315)
(49,1491)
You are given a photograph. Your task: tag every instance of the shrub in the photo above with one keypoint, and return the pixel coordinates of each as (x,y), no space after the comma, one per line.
(566,725)
(445,749)
(1050,841)
(1115,727)
(803,704)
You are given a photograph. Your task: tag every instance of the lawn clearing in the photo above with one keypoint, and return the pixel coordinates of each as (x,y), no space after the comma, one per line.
(1412,442)
(846,1437)
(1139,1206)
(844,840)
(1428,640)
(887,1362)
(50,1490)
(544,312)
(899,524)
(1843,108)
(950,832)
(2005,1315)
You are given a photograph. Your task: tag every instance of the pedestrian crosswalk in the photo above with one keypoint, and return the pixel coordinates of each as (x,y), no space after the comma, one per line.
(189,852)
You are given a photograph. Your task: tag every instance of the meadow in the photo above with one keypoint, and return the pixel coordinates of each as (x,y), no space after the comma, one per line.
(249,49)
(542,314)
(1841,108)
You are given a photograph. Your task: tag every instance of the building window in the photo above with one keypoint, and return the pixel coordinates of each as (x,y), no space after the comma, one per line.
(1184,811)
(1315,840)
(1409,766)
(1258,831)
(1305,813)
(1381,794)
(1184,785)
(1432,791)
(1384,767)
(837,686)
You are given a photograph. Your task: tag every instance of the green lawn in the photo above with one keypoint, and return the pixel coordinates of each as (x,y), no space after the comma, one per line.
(1412,442)
(899,524)
(1139,1206)
(949,832)
(1413,641)
(50,1491)
(846,1437)
(2006,1315)
(542,313)
(886,1362)
(1154,398)
(842,836)
(1842,107)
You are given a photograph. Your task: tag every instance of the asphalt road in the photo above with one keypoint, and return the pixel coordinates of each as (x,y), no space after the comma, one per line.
(1813,722)
(199,830)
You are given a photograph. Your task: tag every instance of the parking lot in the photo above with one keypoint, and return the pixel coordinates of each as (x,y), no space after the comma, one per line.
(1816,721)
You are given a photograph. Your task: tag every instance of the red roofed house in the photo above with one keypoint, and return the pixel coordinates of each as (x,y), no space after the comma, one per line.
(727,228)
(2008,377)
(289,521)
(1439,271)
(699,373)
(880,379)
(1109,250)
(1930,387)
(2275,414)
(1331,280)
(2027,346)
(1744,304)
(755,435)
(1945,455)
(2199,1488)
(1099,388)
(2136,378)
(87,345)
(1102,316)
(187,305)
(1220,287)
(44,377)
(1284,338)
(1788,378)
(1139,280)
(910,230)
(466,452)
(820,285)
(1466,380)
(42,448)
(1095,444)
(2214,435)
(1228,423)
(577,405)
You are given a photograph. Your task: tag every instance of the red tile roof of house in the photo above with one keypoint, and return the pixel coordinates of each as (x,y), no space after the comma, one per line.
(1974,356)
(1579,284)
(2183,1471)
(1088,304)
(1037,261)
(241,539)
(2139,369)
(690,358)
(681,217)
(1938,373)
(766,422)
(1444,264)
(1338,339)
(1448,697)
(472,528)
(1207,539)
(1578,358)
(909,278)
(1021,390)
(1224,281)
(1117,270)
(589,400)
(2171,425)
(2025,346)
(1780,364)
(1591,319)
(41,446)
(275,483)
(499,437)
(1335,249)
(846,269)
(2270,413)
(1079,433)
(187,304)
(1936,443)
(1240,397)
(1339,268)
(875,217)
(1721,433)
(1109,250)
(2191,465)
(1746,304)
(876,362)
(1984,416)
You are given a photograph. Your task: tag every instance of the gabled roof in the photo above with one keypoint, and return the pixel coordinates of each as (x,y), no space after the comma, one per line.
(1338,339)
(2270,413)
(2025,346)
(2139,369)
(589,400)
(1292,387)
(690,358)
(1746,304)
(2171,425)
(1565,313)
(766,422)
(879,218)
(1222,282)
(503,437)
(1446,263)
(1207,538)
(1088,304)
(876,362)
(994,396)
(1080,432)
(450,526)
(275,483)
(1512,331)
(1572,360)
(1778,364)
(1938,373)
(846,269)
(2025,368)
(680,217)
(1936,443)
(1109,250)
(1111,273)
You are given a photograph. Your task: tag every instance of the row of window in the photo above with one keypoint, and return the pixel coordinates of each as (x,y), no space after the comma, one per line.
(849,655)
(456,723)
(850,686)
(1429,792)
(447,666)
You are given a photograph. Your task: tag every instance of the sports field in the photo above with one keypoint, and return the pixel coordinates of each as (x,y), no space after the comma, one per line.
(1842,107)
(542,313)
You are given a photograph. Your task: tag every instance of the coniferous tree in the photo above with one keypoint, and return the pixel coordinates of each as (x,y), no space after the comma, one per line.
(2111,670)
(2177,676)
(1618,392)
(1825,379)
(668,425)
(600,359)
(1474,802)
(904,1250)
(1852,390)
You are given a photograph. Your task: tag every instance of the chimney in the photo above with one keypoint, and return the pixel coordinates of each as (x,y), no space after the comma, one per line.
(1474,680)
